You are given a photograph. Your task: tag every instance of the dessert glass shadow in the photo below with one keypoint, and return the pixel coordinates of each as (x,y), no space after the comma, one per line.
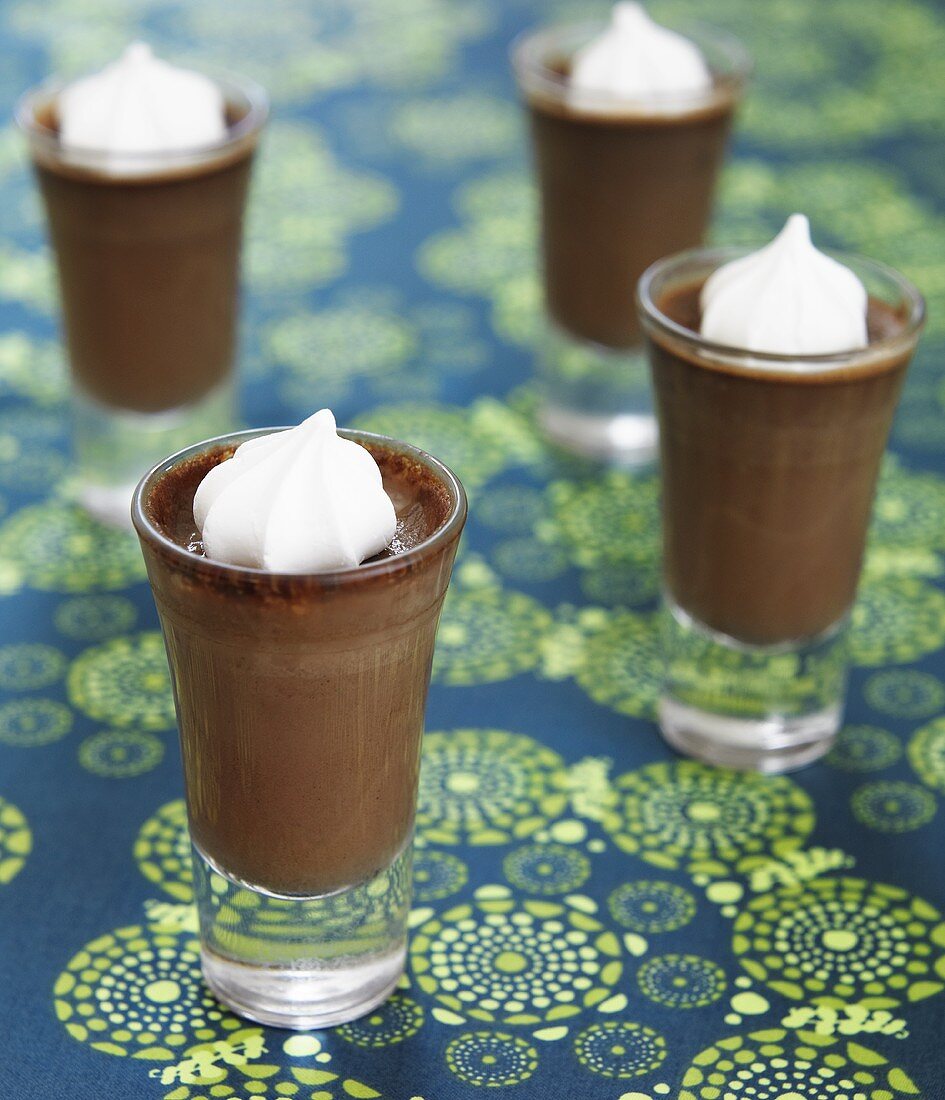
(621,183)
(769,468)
(147,249)
(300,702)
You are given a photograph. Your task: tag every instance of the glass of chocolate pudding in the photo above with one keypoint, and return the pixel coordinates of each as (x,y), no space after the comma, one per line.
(623,180)
(769,467)
(147,247)
(300,702)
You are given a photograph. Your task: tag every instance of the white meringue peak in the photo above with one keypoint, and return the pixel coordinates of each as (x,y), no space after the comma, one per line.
(786,299)
(141,105)
(635,58)
(298,501)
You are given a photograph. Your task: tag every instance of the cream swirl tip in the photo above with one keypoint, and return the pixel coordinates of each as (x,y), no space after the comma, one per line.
(139,105)
(299,501)
(635,58)
(787,298)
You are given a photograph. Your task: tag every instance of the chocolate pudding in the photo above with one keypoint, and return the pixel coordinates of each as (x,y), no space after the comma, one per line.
(621,183)
(148,259)
(769,475)
(301,696)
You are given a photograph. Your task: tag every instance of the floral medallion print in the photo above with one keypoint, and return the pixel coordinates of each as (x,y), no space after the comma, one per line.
(843,938)
(687,814)
(487,787)
(497,961)
(590,914)
(16,841)
(124,682)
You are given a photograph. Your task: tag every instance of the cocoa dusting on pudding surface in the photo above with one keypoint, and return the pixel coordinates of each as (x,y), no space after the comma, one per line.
(421,501)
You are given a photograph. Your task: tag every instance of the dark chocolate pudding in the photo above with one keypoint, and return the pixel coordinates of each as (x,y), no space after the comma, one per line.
(621,185)
(148,260)
(301,697)
(768,478)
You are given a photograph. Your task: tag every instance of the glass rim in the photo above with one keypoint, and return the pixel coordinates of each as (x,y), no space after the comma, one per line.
(712,258)
(450,528)
(255,95)
(530,47)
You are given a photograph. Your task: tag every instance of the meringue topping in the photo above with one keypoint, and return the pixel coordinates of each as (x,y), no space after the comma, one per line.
(635,58)
(141,105)
(298,501)
(786,299)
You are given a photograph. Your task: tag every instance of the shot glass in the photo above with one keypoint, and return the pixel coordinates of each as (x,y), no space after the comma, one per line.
(300,704)
(621,183)
(769,466)
(147,250)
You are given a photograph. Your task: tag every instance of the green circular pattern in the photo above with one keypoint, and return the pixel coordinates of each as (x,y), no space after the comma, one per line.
(124,682)
(893,806)
(346,343)
(909,510)
(651,907)
(491,1059)
(16,841)
(451,130)
(622,664)
(624,584)
(683,813)
(488,634)
(843,939)
(512,509)
(485,787)
(864,749)
(620,1049)
(437,875)
(120,754)
(547,869)
(859,81)
(775,1064)
(927,754)
(493,253)
(897,620)
(29,470)
(905,693)
(140,993)
(289,249)
(59,548)
(254,1080)
(33,369)
(612,518)
(527,559)
(507,962)
(395,1020)
(27,667)
(477,442)
(162,851)
(95,618)
(26,723)
(681,981)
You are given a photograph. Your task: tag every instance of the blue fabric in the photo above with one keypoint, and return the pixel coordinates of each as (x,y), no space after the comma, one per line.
(783,937)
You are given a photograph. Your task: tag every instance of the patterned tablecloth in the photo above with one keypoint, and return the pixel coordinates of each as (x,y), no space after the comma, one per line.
(593,916)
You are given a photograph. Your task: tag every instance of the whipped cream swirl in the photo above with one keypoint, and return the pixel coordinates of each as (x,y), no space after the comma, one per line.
(299,501)
(138,105)
(635,58)
(786,299)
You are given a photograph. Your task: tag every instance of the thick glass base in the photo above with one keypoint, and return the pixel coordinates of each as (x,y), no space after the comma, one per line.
(114,447)
(775,744)
(303,962)
(597,402)
(303,998)
(756,708)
